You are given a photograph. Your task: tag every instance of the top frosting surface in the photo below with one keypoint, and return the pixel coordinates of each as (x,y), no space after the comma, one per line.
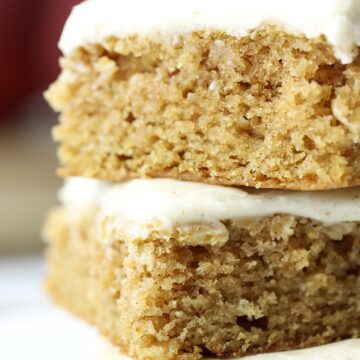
(175,202)
(94,20)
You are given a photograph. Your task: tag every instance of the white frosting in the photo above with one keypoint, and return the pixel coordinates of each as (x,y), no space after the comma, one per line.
(93,20)
(81,193)
(173,202)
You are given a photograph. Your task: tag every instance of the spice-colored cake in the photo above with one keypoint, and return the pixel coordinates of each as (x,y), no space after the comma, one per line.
(177,119)
(173,286)
(255,93)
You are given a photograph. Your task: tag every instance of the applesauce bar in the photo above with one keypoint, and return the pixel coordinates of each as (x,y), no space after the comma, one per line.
(139,262)
(211,155)
(237,93)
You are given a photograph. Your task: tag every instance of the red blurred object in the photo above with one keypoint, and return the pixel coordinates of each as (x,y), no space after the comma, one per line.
(29,32)
(15,62)
(54,15)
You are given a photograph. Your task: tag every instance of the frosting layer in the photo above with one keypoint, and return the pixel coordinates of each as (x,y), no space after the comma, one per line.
(93,20)
(174,202)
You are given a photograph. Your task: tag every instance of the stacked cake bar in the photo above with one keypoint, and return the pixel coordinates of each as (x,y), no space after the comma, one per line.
(212,154)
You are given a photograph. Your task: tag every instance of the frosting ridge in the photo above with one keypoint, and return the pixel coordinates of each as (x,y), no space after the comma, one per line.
(94,20)
(176,202)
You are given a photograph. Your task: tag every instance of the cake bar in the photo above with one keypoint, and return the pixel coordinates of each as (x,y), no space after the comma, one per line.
(136,260)
(211,204)
(256,93)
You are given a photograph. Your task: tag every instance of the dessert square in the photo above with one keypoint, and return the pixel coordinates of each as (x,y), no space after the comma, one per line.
(263,94)
(178,122)
(161,289)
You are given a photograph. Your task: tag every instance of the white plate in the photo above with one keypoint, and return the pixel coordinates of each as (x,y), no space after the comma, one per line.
(32,328)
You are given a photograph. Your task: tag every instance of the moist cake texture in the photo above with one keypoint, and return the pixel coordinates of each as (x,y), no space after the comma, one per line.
(269,109)
(187,290)
(255,285)
(249,94)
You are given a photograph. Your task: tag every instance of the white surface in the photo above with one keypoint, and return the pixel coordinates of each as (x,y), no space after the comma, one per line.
(93,20)
(31,328)
(169,203)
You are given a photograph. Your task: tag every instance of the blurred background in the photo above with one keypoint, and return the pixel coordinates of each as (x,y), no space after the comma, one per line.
(30,326)
(29,32)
